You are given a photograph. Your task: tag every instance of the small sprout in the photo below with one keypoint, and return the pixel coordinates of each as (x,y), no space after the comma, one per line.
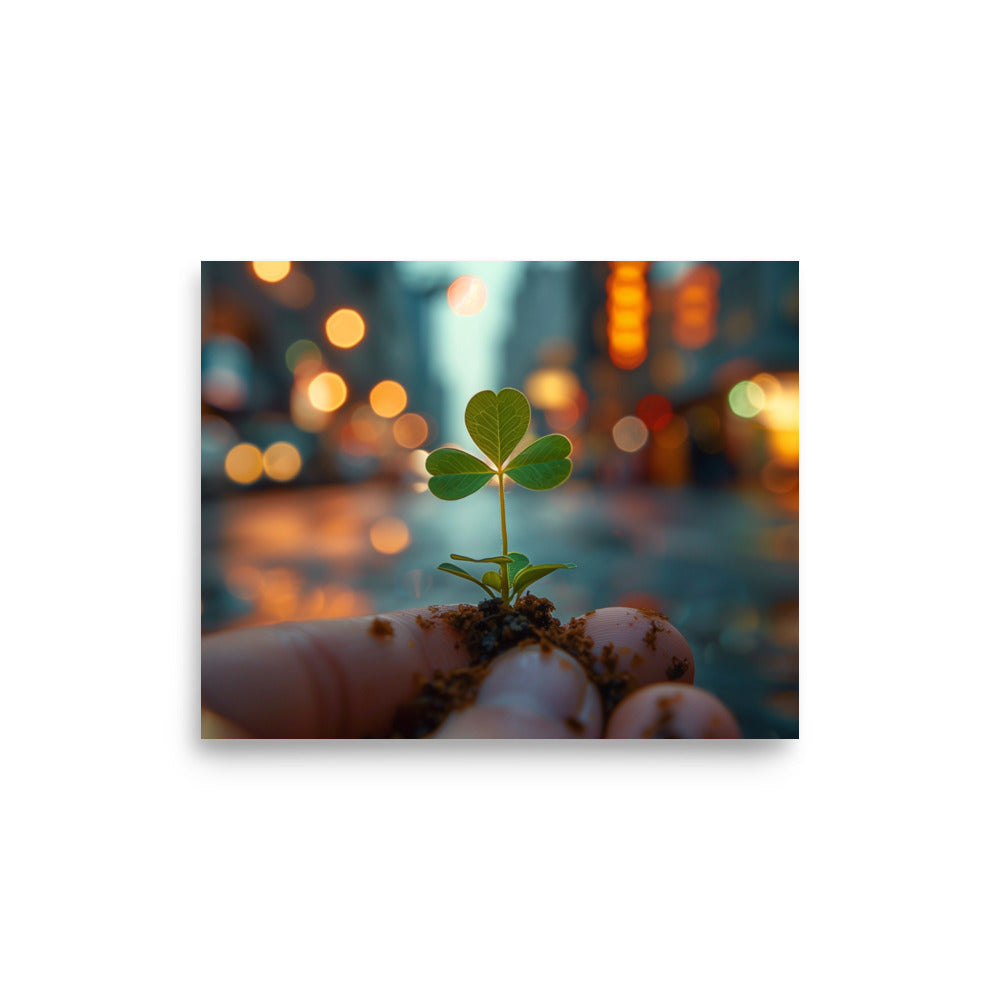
(497,422)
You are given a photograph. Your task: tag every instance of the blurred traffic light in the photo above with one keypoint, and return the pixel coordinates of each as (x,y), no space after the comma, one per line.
(695,307)
(628,313)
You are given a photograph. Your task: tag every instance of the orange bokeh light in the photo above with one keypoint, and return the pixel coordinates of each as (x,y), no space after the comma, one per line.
(628,311)
(327,392)
(345,328)
(244,463)
(389,535)
(695,306)
(467,295)
(282,461)
(410,430)
(271,270)
(388,398)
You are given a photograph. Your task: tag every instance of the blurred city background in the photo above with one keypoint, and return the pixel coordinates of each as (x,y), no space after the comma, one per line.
(324,385)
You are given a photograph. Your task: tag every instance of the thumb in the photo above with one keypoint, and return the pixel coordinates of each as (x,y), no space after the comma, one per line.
(530,693)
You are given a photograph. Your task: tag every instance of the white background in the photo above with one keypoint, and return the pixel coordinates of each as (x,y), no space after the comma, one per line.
(857,861)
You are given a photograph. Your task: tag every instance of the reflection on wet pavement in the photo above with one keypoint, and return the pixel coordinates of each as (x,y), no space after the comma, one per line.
(723,566)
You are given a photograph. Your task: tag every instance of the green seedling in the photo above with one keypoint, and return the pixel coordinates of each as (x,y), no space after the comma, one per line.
(497,422)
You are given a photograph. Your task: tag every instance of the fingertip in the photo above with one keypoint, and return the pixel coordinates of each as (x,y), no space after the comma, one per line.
(646,642)
(531,692)
(215,727)
(672,711)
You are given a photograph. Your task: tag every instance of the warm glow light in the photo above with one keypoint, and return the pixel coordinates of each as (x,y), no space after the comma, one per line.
(628,319)
(746,399)
(282,461)
(630,433)
(271,270)
(784,446)
(388,398)
(345,328)
(551,388)
(627,351)
(782,409)
(389,535)
(628,310)
(245,582)
(625,296)
(244,463)
(417,460)
(365,425)
(779,479)
(301,351)
(467,295)
(695,306)
(654,411)
(410,430)
(563,418)
(304,415)
(674,434)
(770,386)
(327,392)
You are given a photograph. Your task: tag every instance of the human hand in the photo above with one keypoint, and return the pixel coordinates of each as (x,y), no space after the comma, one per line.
(341,679)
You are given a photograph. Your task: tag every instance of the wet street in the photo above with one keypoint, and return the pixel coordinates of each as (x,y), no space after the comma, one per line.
(723,566)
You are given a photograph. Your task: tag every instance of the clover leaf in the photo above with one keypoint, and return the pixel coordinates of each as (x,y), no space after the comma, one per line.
(497,423)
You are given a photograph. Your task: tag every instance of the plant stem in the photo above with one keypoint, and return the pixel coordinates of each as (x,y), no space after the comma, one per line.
(503,530)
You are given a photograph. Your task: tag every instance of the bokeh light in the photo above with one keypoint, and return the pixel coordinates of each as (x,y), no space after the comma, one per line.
(366,426)
(551,388)
(302,351)
(467,295)
(781,411)
(389,535)
(746,399)
(271,270)
(770,386)
(418,459)
(282,461)
(345,328)
(327,392)
(387,398)
(630,433)
(226,372)
(628,311)
(410,430)
(654,411)
(244,463)
(304,415)
(695,306)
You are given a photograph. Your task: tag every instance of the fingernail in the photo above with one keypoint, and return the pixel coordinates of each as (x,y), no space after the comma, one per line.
(547,683)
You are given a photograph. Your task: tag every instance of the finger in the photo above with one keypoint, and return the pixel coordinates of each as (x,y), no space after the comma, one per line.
(214,727)
(645,642)
(335,679)
(531,692)
(672,712)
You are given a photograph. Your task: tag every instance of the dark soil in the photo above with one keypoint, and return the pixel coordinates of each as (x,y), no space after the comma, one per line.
(490,628)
